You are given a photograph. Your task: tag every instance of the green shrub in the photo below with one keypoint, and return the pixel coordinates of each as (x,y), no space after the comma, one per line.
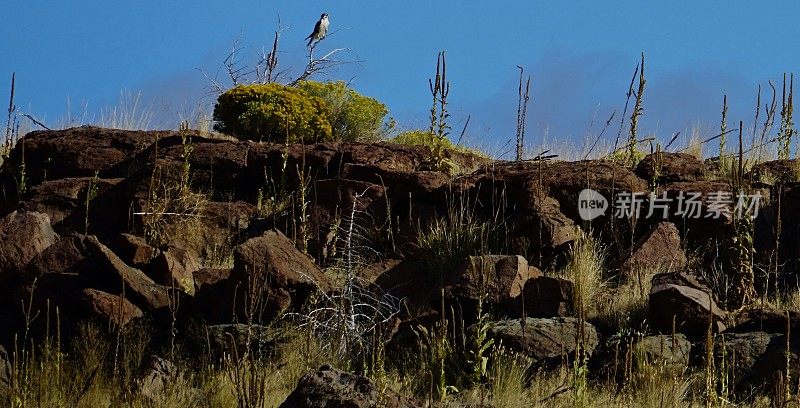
(353,117)
(272,113)
(423,138)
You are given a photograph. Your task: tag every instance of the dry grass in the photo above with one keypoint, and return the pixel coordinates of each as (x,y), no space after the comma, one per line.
(585,269)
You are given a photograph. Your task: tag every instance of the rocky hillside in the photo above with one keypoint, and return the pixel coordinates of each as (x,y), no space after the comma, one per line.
(124,226)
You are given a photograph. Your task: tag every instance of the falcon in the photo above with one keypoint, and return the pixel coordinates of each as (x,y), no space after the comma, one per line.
(320,30)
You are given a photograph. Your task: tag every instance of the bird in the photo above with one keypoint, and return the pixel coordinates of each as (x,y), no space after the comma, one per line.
(320,30)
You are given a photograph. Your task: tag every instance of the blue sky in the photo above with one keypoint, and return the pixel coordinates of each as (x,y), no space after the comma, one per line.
(581,55)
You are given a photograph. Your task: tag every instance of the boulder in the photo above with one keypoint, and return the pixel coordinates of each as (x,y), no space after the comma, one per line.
(272,262)
(498,279)
(407,280)
(23,235)
(176,267)
(110,308)
(773,171)
(755,361)
(330,387)
(699,226)
(541,219)
(68,255)
(660,248)
(546,341)
(544,296)
(622,352)
(687,301)
(666,167)
(665,349)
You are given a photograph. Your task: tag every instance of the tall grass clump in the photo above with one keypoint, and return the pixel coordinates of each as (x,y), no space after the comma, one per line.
(447,241)
(585,270)
(128,114)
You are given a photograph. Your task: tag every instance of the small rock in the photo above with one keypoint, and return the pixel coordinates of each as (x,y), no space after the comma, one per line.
(133,250)
(329,387)
(176,266)
(158,373)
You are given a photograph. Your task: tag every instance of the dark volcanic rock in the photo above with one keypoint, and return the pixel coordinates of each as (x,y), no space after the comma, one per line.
(673,350)
(544,296)
(284,275)
(22,236)
(275,256)
(176,266)
(496,278)
(774,171)
(64,200)
(110,308)
(665,167)
(682,298)
(81,152)
(133,250)
(547,341)
(109,273)
(660,248)
(329,387)
(766,320)
(756,359)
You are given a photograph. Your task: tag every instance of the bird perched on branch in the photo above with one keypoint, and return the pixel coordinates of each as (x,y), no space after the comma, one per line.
(320,30)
